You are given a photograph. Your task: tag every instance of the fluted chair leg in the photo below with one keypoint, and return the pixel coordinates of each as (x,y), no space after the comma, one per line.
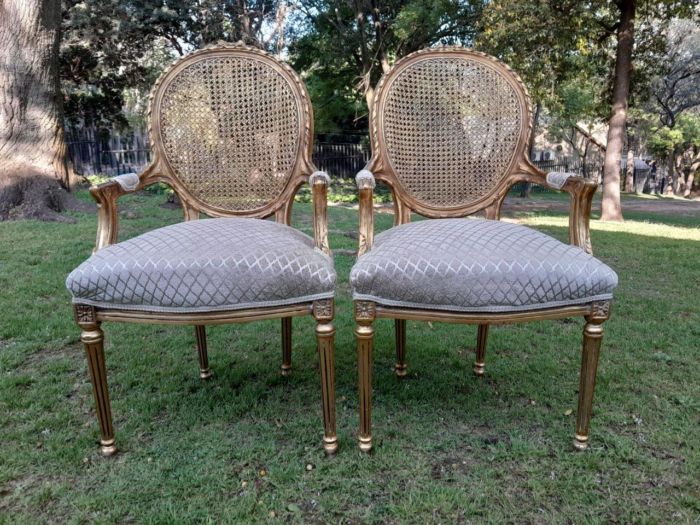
(364,333)
(200,333)
(93,340)
(323,311)
(400,329)
(286,346)
(481,339)
(592,339)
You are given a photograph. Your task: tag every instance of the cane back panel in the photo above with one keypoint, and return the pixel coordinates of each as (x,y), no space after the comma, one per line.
(449,126)
(233,126)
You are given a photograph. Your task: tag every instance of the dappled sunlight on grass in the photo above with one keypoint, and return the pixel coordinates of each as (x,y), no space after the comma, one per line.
(450,447)
(648,229)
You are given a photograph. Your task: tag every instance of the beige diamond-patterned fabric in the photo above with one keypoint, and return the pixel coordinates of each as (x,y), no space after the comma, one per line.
(451,126)
(206,265)
(477,265)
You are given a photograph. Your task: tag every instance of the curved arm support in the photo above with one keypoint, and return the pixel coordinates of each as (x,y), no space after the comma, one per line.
(106,195)
(581,192)
(365,184)
(319,182)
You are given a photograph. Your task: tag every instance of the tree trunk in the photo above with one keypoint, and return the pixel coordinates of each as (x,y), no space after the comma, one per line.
(629,169)
(527,186)
(611,208)
(690,181)
(670,174)
(34,171)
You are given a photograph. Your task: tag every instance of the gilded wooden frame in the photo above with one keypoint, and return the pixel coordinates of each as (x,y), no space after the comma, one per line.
(89,318)
(520,169)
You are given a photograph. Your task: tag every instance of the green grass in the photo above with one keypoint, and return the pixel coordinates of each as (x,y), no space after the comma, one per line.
(449,448)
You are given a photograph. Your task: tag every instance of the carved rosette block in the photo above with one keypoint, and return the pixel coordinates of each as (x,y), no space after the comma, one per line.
(84,314)
(365,310)
(600,311)
(324,309)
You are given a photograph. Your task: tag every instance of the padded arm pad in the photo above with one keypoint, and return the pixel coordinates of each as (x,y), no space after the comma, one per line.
(365,179)
(557,179)
(319,177)
(128,181)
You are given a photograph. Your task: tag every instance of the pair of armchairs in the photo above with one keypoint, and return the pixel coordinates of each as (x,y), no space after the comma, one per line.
(231,132)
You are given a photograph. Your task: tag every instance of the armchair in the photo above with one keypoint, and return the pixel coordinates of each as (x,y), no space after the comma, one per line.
(449,132)
(231,132)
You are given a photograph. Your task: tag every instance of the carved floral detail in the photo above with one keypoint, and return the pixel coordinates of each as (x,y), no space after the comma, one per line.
(365,310)
(600,310)
(84,313)
(323,309)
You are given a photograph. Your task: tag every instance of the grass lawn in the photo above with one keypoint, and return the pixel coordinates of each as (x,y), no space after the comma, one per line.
(449,447)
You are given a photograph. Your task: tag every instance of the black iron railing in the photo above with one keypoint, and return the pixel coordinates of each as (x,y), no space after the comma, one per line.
(341,155)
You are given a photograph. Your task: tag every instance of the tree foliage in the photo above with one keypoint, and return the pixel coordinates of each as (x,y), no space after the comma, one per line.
(113,46)
(345,47)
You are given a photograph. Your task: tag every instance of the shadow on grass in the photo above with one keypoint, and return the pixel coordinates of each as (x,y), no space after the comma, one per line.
(450,447)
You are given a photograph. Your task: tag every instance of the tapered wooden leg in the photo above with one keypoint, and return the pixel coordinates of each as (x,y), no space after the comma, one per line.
(201,335)
(323,311)
(286,346)
(364,333)
(400,330)
(481,339)
(93,338)
(592,339)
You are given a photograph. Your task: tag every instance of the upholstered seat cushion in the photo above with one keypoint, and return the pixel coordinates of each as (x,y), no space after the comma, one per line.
(477,265)
(204,265)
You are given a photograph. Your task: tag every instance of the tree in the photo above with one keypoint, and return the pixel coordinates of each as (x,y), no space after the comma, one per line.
(611,209)
(111,47)
(573,40)
(34,172)
(345,46)
(672,94)
(680,146)
(543,42)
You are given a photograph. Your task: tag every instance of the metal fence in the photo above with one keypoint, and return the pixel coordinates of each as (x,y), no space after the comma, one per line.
(107,152)
(341,155)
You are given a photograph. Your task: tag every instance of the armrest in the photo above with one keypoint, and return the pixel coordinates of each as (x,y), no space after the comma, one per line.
(106,195)
(365,184)
(319,182)
(581,191)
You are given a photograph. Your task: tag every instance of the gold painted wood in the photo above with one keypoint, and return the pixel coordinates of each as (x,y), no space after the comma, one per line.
(366,233)
(93,340)
(286,346)
(319,195)
(208,318)
(592,340)
(201,336)
(161,170)
(400,369)
(443,316)
(324,311)
(364,334)
(519,169)
(189,98)
(481,339)
(397,131)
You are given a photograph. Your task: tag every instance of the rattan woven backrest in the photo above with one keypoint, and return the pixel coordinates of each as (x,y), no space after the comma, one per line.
(232,125)
(448,126)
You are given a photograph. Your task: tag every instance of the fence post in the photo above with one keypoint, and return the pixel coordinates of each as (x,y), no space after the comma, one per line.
(98,155)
